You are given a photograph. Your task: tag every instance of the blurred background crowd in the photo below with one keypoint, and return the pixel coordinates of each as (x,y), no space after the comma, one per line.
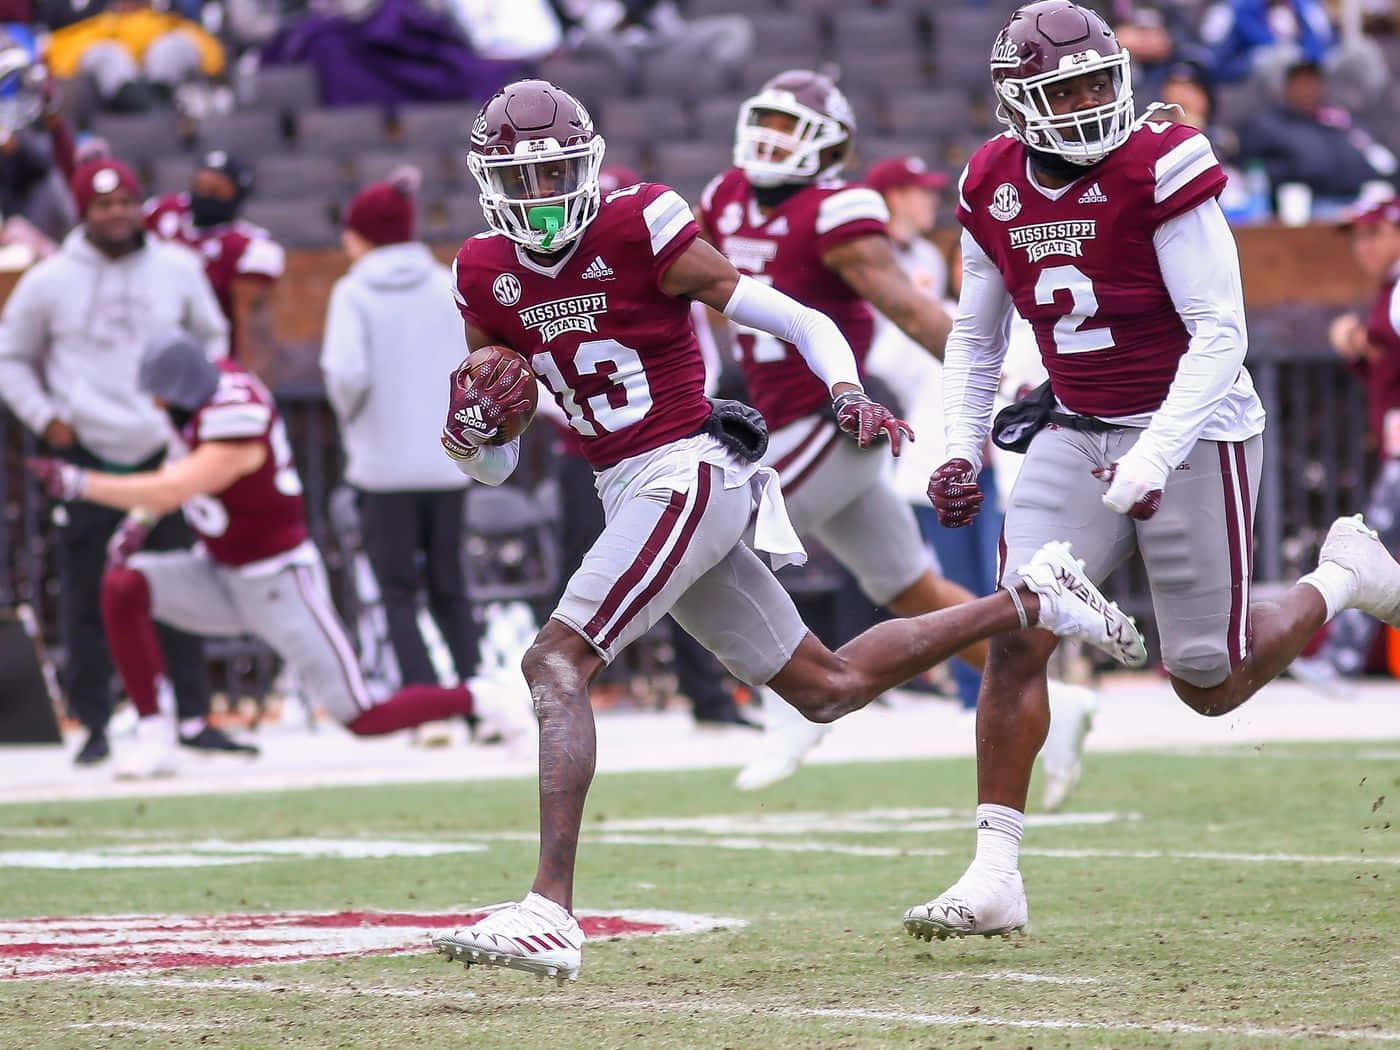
(252,125)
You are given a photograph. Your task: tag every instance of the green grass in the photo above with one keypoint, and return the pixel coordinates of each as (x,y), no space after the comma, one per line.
(1132,951)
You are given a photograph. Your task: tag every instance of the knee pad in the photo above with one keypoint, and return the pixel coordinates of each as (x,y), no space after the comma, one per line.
(1202,666)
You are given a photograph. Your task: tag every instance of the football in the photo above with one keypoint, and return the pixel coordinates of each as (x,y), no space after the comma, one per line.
(486,360)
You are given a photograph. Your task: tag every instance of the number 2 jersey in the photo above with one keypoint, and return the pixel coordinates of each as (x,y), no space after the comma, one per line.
(1080,264)
(261,514)
(619,355)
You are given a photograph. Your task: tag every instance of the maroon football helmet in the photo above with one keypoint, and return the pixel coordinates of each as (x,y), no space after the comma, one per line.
(824,121)
(1044,45)
(535,156)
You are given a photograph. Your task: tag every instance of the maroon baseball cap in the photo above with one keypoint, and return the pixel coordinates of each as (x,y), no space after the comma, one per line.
(893,172)
(1364,214)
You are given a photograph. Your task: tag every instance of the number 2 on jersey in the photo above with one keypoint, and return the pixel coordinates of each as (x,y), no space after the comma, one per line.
(1070,335)
(599,414)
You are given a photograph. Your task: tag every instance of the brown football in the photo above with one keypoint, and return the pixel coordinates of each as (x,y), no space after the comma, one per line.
(486,360)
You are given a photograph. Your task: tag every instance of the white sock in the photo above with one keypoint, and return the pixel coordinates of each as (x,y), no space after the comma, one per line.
(999,831)
(1334,583)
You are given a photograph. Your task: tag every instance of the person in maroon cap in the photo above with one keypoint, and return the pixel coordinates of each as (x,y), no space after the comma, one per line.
(71,338)
(392,336)
(1370,348)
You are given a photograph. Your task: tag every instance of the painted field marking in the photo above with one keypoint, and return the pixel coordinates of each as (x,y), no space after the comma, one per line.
(215,852)
(591,1000)
(97,944)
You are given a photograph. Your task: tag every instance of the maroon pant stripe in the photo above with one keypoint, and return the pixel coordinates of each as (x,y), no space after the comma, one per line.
(1234,542)
(1247,565)
(806,471)
(668,567)
(640,564)
(801,447)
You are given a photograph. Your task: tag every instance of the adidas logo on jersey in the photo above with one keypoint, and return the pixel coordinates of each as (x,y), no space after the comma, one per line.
(778,227)
(1093,195)
(598,270)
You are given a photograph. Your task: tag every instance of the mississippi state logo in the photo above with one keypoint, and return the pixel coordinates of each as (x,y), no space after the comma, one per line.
(1006,203)
(506,289)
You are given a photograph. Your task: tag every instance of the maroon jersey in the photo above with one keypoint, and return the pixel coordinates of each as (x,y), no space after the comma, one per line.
(1080,265)
(231,250)
(261,514)
(618,354)
(1382,373)
(784,248)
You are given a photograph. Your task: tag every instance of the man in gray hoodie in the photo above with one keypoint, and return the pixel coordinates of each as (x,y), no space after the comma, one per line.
(392,336)
(71,337)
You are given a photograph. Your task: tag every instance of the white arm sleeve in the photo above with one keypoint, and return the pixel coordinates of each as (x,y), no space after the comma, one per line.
(491,464)
(1201,268)
(815,335)
(976,348)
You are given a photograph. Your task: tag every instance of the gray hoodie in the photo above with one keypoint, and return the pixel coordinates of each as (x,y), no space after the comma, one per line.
(75,327)
(393,337)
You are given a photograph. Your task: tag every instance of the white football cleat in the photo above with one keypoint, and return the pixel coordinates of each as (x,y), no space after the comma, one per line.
(788,738)
(1319,675)
(1358,550)
(1072,607)
(974,905)
(505,714)
(149,753)
(1072,709)
(535,935)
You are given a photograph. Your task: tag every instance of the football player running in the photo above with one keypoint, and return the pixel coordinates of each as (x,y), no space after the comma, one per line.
(783,217)
(594,293)
(254,570)
(1103,230)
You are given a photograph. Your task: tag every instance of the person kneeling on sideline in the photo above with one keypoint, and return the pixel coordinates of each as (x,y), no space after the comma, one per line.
(254,569)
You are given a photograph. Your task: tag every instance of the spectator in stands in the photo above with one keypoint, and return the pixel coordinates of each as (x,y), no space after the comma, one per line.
(1303,139)
(626,31)
(1259,38)
(35,144)
(1157,34)
(71,336)
(1370,348)
(1187,87)
(388,52)
(137,55)
(392,335)
(241,260)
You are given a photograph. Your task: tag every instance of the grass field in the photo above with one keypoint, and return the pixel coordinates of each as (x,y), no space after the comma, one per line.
(1242,898)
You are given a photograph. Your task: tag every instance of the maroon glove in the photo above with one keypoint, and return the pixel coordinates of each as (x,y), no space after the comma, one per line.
(129,538)
(62,481)
(954,493)
(865,420)
(479,405)
(1138,498)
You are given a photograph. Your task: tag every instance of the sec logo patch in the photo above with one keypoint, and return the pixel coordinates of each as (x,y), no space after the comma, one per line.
(506,289)
(1006,203)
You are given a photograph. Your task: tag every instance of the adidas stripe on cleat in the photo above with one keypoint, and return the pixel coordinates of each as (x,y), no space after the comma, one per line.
(535,935)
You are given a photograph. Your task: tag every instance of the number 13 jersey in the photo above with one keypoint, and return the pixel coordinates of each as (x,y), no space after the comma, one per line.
(618,354)
(1080,265)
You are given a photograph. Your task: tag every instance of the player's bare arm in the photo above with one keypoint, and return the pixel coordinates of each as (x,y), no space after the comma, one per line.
(252,322)
(869,268)
(208,470)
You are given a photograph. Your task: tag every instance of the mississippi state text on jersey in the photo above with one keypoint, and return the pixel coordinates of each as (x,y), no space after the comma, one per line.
(617,353)
(784,249)
(261,514)
(231,250)
(1079,262)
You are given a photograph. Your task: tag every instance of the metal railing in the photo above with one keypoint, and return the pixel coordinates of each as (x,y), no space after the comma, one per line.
(1316,466)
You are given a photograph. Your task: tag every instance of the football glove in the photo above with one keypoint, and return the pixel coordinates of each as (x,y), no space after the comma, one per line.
(955,494)
(865,420)
(1134,488)
(62,481)
(129,538)
(478,406)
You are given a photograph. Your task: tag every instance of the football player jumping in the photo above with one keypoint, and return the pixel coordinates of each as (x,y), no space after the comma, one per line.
(254,570)
(1102,228)
(594,293)
(784,217)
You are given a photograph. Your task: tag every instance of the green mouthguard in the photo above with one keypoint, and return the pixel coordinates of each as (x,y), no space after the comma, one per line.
(547,218)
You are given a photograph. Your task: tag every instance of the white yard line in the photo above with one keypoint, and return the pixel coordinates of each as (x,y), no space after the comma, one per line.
(592,1002)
